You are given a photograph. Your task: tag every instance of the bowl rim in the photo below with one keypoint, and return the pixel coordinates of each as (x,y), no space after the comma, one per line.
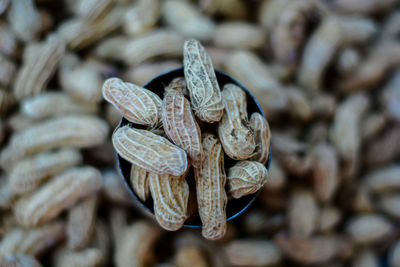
(139,203)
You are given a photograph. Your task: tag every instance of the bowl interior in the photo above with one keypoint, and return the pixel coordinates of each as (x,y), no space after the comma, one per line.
(235,207)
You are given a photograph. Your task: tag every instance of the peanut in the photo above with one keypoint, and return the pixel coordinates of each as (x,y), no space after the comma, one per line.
(136,244)
(187,20)
(68,131)
(262,137)
(157,43)
(210,183)
(29,173)
(201,81)
(24,19)
(53,104)
(170,196)
(39,64)
(180,124)
(61,192)
(33,242)
(141,17)
(140,182)
(233,130)
(246,177)
(85,257)
(81,222)
(149,151)
(135,103)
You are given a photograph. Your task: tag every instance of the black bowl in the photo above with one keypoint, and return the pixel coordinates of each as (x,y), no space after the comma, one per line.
(235,207)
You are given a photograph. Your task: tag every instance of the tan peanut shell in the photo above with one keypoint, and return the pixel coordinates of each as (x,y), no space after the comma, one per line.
(234,9)
(39,63)
(205,94)
(246,177)
(34,242)
(92,10)
(29,173)
(60,193)
(186,18)
(67,131)
(329,218)
(81,222)
(179,85)
(210,188)
(325,173)
(141,17)
(253,73)
(81,80)
(85,257)
(54,103)
(149,151)
(101,239)
(302,213)
(314,250)
(24,20)
(262,137)
(234,130)
(345,132)
(190,255)
(143,73)
(135,245)
(170,197)
(252,252)
(140,182)
(239,35)
(80,33)
(365,229)
(157,43)
(180,125)
(135,103)
(383,180)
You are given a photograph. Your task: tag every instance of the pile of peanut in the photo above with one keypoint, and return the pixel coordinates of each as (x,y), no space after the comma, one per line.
(326,74)
(161,167)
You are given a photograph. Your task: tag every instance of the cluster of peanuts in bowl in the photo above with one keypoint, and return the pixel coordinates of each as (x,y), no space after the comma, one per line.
(164,139)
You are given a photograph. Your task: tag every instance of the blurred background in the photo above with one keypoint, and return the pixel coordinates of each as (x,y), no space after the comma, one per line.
(325,73)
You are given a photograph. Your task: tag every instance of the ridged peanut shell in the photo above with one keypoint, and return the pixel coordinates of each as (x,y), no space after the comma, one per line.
(246,177)
(29,173)
(205,94)
(67,131)
(55,103)
(170,197)
(39,63)
(210,188)
(180,125)
(81,222)
(234,131)
(136,243)
(140,182)
(85,257)
(136,104)
(149,151)
(60,193)
(34,242)
(262,137)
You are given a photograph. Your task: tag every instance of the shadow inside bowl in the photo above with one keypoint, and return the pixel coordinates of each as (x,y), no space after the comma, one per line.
(235,207)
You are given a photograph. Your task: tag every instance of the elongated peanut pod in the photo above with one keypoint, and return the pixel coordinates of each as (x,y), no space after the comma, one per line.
(149,151)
